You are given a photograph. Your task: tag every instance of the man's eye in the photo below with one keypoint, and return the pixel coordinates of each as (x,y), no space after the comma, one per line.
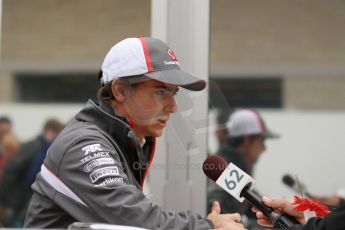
(166,92)
(161,92)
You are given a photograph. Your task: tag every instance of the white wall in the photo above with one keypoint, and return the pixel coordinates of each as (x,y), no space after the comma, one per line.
(28,119)
(311,146)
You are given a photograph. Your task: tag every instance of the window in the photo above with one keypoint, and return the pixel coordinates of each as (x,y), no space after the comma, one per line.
(246,92)
(56,87)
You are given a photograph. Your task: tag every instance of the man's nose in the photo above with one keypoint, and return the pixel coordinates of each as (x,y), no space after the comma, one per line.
(171,106)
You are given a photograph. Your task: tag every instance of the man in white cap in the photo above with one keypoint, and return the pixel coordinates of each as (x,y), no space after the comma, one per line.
(246,133)
(95,169)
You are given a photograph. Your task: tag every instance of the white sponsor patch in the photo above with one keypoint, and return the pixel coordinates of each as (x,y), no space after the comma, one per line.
(106,171)
(97,162)
(94,156)
(111,180)
(91,148)
(171,63)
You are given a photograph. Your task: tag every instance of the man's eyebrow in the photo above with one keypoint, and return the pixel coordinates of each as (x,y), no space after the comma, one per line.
(169,88)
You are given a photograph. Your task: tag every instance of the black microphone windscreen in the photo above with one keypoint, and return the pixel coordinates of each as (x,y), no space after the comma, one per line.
(214,166)
(289,180)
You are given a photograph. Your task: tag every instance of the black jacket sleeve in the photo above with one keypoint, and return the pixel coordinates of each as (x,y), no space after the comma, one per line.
(334,221)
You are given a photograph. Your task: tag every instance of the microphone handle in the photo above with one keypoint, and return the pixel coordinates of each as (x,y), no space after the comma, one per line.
(279,220)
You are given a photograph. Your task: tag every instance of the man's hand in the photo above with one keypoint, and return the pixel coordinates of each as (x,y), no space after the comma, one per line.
(282,206)
(224,221)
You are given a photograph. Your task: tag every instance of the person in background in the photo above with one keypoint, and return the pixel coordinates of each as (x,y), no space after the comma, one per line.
(245,142)
(10,146)
(5,126)
(20,170)
(221,130)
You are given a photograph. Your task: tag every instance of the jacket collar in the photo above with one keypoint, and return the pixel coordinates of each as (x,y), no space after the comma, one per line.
(104,116)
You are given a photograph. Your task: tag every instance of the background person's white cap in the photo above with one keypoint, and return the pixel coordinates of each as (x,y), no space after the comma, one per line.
(247,122)
(150,57)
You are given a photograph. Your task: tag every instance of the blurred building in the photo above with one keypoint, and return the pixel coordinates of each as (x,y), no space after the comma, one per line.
(263,53)
(51,47)
(279,53)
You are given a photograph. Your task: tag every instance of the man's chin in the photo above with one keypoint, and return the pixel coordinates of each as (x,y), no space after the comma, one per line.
(157,133)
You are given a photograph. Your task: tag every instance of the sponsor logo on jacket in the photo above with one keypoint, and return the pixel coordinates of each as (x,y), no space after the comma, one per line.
(97,162)
(91,149)
(110,180)
(104,172)
(94,156)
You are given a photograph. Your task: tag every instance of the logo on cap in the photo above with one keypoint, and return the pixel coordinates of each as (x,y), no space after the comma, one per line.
(172,55)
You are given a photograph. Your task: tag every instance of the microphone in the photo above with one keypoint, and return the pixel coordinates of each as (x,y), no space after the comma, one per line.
(238,184)
(289,181)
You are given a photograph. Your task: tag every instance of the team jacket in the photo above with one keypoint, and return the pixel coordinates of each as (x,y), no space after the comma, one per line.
(94,172)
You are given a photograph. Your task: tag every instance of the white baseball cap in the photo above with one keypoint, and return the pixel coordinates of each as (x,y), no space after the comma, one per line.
(247,122)
(150,57)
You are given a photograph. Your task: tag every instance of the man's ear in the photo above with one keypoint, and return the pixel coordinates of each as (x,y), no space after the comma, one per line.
(119,91)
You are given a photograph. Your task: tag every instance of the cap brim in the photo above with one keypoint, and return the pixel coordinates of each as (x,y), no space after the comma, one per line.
(270,134)
(178,77)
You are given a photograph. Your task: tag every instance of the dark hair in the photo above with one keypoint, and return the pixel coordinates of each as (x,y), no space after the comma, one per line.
(223,116)
(54,125)
(5,119)
(237,141)
(104,92)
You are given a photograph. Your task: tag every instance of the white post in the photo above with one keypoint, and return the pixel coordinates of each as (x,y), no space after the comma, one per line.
(0,25)
(177,181)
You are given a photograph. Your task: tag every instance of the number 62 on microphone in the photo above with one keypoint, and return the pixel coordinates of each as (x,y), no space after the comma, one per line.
(233,180)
